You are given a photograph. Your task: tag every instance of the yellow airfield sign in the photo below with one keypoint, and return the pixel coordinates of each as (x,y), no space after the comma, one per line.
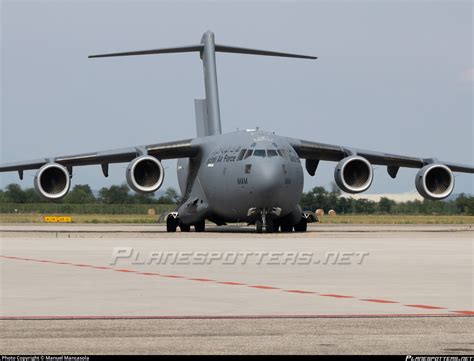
(57,219)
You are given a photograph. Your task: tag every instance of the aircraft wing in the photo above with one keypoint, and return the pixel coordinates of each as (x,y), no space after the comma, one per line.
(169,150)
(321,151)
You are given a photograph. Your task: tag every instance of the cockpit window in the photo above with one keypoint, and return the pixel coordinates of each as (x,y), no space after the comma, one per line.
(241,154)
(259,152)
(248,153)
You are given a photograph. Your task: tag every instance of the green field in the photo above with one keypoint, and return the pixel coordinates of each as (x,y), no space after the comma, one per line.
(92,209)
(81,218)
(397,219)
(339,219)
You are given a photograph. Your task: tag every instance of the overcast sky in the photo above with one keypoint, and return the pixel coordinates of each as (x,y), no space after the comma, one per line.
(391,76)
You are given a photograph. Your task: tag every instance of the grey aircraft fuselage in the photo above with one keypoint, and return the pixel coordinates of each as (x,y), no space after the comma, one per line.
(239,171)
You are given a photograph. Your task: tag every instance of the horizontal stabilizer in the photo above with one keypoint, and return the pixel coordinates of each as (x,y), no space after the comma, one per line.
(234,49)
(207,110)
(181,49)
(200,48)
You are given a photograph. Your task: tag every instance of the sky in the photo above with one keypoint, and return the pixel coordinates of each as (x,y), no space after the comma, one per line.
(392,76)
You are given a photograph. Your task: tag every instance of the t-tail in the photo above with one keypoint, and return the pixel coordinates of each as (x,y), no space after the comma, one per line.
(208,119)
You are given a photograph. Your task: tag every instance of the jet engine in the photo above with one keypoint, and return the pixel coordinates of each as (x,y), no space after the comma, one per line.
(145,174)
(353,174)
(435,181)
(52,181)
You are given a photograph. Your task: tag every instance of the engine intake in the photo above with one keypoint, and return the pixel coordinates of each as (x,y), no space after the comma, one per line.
(52,181)
(435,181)
(353,174)
(145,174)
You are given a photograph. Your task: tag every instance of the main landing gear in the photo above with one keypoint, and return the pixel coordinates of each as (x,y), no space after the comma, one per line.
(301,226)
(270,225)
(173,222)
(200,227)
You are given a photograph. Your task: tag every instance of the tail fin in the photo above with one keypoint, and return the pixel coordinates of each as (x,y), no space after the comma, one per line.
(202,121)
(207,49)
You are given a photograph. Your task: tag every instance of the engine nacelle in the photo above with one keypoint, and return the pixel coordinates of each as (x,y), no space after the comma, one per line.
(353,174)
(145,174)
(435,181)
(52,181)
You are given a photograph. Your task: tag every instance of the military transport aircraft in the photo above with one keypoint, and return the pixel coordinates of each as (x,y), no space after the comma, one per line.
(248,175)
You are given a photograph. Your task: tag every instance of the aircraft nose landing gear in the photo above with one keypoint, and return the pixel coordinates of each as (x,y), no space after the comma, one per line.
(265,222)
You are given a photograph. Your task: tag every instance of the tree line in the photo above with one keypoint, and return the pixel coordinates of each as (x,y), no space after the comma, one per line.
(317,198)
(82,194)
(320,198)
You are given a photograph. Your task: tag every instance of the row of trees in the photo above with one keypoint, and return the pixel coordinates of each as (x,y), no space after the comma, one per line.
(82,194)
(316,198)
(319,197)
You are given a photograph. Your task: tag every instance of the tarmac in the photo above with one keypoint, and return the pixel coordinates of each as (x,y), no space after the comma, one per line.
(336,289)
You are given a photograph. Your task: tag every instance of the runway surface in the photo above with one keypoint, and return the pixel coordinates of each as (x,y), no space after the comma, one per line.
(335,289)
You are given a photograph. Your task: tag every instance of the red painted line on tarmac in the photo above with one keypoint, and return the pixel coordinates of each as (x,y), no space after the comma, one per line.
(201,279)
(124,270)
(471,313)
(263,287)
(172,276)
(81,265)
(334,295)
(427,307)
(232,283)
(378,300)
(300,291)
(219,317)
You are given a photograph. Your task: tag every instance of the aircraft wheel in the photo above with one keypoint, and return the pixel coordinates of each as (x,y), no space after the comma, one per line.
(200,227)
(171,224)
(185,227)
(259,226)
(286,228)
(276,226)
(302,226)
(270,226)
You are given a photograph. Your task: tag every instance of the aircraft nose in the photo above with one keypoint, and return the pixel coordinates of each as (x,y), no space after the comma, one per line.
(269,180)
